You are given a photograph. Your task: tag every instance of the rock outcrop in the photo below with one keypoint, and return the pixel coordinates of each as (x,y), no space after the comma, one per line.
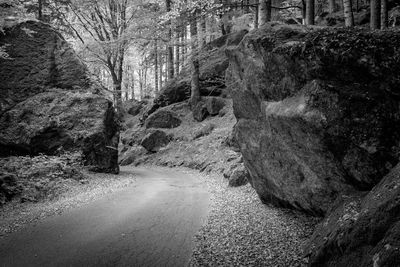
(361,230)
(208,106)
(8,187)
(239,176)
(49,103)
(155,140)
(317,110)
(162,119)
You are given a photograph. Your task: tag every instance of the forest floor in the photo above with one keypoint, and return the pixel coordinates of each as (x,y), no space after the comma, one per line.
(203,146)
(241,231)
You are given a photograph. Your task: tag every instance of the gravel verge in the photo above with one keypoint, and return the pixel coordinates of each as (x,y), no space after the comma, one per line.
(15,215)
(241,231)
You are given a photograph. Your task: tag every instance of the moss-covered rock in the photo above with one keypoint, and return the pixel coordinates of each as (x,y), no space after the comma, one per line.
(49,103)
(361,230)
(317,109)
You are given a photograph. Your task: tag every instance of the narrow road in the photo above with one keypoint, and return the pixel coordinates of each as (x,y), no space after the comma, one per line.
(149,224)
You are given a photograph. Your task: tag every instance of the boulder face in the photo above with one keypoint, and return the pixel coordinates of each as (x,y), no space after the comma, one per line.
(162,119)
(155,140)
(41,59)
(239,177)
(361,230)
(318,111)
(48,102)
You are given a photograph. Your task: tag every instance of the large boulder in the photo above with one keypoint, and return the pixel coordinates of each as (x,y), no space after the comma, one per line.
(133,107)
(200,112)
(49,103)
(361,230)
(208,106)
(163,119)
(214,105)
(317,110)
(155,140)
(131,154)
(239,176)
(8,187)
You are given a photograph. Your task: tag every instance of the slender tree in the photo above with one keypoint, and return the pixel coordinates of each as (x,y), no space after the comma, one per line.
(384,14)
(40,10)
(310,12)
(156,66)
(348,13)
(332,6)
(170,49)
(264,12)
(195,66)
(256,14)
(375,7)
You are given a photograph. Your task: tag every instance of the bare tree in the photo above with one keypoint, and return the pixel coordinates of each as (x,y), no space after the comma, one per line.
(107,23)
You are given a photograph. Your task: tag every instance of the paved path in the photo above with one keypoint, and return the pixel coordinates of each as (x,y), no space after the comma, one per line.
(149,224)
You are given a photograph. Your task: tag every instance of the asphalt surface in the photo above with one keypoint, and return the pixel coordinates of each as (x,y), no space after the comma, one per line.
(151,223)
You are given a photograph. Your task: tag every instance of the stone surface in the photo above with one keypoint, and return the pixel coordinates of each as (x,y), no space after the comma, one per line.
(361,230)
(214,105)
(200,112)
(204,130)
(239,176)
(8,187)
(230,142)
(41,58)
(49,103)
(153,141)
(162,119)
(132,153)
(310,125)
(133,107)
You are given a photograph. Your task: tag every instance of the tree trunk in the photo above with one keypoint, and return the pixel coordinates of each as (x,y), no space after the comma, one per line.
(132,75)
(332,6)
(310,12)
(170,49)
(141,83)
(155,67)
(256,17)
(375,6)
(177,53)
(195,82)
(264,12)
(384,14)
(160,62)
(195,73)
(40,10)
(348,13)
(203,31)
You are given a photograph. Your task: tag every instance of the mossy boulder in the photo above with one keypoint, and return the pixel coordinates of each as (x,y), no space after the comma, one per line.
(48,102)
(317,109)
